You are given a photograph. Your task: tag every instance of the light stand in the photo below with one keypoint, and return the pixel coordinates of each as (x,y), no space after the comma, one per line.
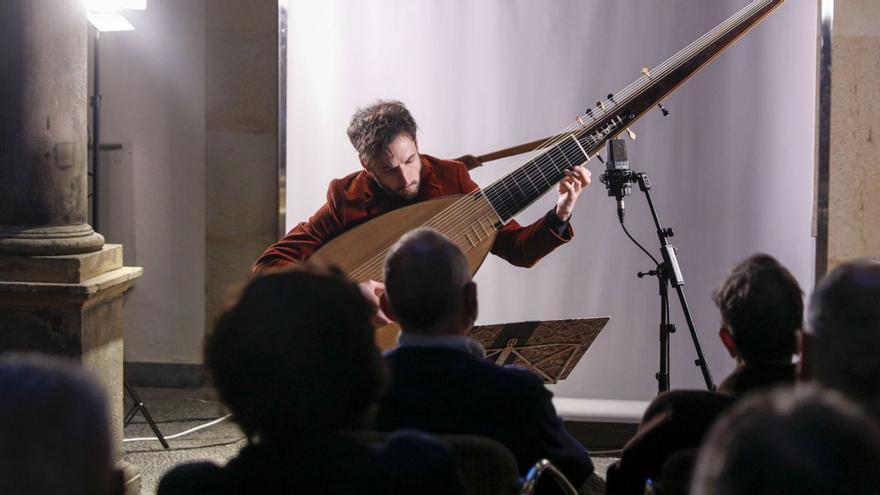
(103,16)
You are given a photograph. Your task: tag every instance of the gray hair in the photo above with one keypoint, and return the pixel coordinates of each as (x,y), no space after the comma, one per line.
(844,322)
(807,441)
(424,276)
(54,429)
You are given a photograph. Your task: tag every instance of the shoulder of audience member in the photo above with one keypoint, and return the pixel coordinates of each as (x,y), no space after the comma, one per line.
(497,381)
(523,386)
(520,375)
(192,478)
(686,403)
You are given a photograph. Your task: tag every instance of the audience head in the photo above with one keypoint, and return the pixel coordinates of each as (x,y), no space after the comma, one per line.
(805,441)
(428,285)
(762,309)
(54,429)
(842,339)
(294,358)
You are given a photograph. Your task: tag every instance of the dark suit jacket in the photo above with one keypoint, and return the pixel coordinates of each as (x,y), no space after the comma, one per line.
(443,390)
(410,462)
(751,378)
(355,198)
(674,421)
(678,420)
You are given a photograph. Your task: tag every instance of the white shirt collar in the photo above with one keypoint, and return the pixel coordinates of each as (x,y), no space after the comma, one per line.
(458,342)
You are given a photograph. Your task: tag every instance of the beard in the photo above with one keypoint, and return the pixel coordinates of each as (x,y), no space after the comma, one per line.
(407,193)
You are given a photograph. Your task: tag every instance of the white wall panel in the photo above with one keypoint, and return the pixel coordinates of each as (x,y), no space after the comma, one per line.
(732,165)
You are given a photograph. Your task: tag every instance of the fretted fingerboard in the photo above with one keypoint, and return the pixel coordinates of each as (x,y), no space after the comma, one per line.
(517,190)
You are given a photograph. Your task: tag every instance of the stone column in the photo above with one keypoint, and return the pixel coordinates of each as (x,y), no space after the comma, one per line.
(853,228)
(61,287)
(43,138)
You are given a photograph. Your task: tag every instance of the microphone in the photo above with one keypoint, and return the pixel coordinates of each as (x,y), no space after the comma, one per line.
(618,177)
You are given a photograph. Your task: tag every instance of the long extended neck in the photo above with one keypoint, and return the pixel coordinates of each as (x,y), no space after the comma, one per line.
(592,130)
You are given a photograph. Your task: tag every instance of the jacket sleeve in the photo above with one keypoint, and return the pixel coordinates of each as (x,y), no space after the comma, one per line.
(305,238)
(524,246)
(549,437)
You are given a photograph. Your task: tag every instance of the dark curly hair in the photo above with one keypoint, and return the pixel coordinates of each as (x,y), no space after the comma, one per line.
(762,305)
(373,128)
(294,357)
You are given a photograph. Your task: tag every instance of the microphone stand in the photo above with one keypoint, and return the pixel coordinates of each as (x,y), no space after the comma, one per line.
(668,272)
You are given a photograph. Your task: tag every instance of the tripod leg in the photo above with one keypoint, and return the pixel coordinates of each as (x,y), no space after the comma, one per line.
(137,403)
(139,406)
(701,359)
(130,415)
(154,427)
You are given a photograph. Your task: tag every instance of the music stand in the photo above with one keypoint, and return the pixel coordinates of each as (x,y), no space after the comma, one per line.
(549,348)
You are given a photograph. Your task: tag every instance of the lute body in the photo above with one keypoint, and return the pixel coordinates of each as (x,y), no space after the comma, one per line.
(470,222)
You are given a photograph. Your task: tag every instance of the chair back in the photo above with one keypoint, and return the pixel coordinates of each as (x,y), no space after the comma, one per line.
(487,466)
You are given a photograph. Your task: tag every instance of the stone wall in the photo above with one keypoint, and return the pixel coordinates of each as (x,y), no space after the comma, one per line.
(241,142)
(854,202)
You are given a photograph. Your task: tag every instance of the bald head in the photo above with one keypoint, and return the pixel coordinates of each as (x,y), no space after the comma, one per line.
(427,282)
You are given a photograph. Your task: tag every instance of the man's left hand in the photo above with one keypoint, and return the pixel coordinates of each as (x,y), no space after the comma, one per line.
(570,188)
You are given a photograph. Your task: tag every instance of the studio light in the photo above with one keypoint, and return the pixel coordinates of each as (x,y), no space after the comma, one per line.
(109,22)
(104,14)
(115,5)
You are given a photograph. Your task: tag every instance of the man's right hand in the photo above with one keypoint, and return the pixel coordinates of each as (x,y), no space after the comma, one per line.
(374,291)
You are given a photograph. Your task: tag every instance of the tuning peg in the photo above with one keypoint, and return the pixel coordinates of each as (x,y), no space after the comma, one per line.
(589,112)
(631,134)
(646,72)
(600,104)
(665,111)
(611,97)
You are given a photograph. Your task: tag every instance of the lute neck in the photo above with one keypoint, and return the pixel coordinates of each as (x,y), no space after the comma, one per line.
(591,131)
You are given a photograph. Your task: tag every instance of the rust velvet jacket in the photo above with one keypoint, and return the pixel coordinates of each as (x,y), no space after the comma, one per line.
(356,198)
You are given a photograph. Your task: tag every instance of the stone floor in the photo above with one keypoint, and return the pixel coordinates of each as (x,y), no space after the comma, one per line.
(176,410)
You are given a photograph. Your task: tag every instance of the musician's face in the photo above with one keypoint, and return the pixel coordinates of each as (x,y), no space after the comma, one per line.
(397,171)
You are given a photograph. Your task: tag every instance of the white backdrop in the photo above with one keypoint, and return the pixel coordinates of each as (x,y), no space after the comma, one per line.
(732,165)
